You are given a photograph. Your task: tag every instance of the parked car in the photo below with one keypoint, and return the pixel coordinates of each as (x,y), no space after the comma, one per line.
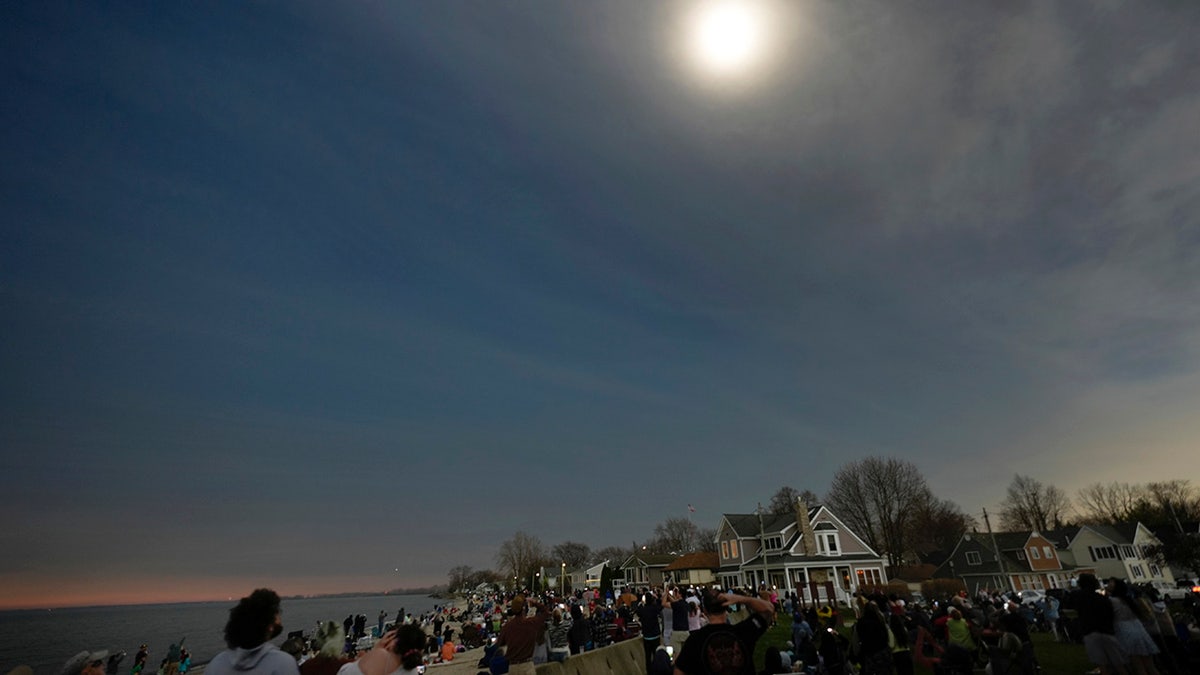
(1031,596)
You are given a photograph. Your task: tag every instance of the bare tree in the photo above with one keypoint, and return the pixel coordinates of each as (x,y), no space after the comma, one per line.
(1030,505)
(615,555)
(521,555)
(937,525)
(878,497)
(785,498)
(573,553)
(458,577)
(707,540)
(1106,504)
(675,535)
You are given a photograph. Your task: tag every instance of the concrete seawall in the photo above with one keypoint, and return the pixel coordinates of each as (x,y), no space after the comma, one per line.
(624,658)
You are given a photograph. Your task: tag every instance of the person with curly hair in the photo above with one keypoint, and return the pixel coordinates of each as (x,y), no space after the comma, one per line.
(253,623)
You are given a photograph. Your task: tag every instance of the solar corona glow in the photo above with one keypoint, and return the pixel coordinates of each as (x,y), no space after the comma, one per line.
(727,38)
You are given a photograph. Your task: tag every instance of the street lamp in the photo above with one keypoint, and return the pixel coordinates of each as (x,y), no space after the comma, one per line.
(562,582)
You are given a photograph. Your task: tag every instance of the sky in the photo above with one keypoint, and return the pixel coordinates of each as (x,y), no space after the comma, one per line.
(336,296)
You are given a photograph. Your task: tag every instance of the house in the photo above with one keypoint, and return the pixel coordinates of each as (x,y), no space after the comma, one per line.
(693,569)
(587,577)
(811,553)
(1007,561)
(1119,550)
(642,569)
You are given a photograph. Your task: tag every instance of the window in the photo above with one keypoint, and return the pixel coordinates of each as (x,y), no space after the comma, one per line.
(1127,552)
(1037,555)
(1021,554)
(973,558)
(1102,552)
(724,549)
(773,543)
(733,548)
(827,543)
(1048,552)
(1155,571)
(1137,571)
(870,577)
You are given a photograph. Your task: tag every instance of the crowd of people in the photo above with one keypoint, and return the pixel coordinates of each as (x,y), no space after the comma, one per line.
(704,631)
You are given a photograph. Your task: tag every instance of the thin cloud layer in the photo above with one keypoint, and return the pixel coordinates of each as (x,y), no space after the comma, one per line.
(398,280)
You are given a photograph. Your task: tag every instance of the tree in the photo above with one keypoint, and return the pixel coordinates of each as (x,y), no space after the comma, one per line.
(674,535)
(877,498)
(1158,505)
(459,577)
(573,553)
(613,554)
(1030,505)
(937,525)
(521,556)
(1179,550)
(1101,504)
(785,498)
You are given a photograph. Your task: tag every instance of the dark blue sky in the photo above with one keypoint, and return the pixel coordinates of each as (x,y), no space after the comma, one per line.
(302,293)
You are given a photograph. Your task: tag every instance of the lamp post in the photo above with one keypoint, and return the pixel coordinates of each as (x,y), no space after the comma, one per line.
(562,581)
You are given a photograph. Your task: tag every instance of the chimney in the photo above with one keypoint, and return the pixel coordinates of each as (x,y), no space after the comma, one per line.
(806,530)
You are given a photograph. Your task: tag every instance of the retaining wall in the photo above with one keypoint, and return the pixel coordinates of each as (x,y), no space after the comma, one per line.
(627,657)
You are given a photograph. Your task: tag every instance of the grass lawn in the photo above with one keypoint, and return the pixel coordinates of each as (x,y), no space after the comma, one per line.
(1056,658)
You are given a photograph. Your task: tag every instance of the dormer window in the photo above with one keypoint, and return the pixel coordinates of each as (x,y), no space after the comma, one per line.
(1037,555)
(973,558)
(828,544)
(773,543)
(1021,554)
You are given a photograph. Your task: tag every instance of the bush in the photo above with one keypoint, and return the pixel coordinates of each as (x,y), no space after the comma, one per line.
(940,589)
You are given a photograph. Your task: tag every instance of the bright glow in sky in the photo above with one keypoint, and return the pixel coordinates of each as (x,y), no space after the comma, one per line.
(728,36)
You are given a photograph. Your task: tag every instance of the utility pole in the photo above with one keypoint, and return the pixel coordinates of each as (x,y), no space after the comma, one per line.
(762,547)
(996,549)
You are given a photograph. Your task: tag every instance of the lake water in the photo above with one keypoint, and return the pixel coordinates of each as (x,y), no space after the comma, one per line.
(45,639)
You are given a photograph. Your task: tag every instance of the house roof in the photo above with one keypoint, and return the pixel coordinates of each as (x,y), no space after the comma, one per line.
(701,560)
(746,524)
(648,560)
(1121,533)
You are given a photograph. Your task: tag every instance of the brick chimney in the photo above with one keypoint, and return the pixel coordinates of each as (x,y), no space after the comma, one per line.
(806,530)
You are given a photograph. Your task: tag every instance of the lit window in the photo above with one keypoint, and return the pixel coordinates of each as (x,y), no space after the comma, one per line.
(733,548)
(724,549)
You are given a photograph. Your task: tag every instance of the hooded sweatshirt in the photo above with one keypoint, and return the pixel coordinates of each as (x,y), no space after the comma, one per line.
(264,659)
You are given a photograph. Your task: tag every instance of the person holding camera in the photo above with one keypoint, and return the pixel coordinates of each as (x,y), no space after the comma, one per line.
(398,652)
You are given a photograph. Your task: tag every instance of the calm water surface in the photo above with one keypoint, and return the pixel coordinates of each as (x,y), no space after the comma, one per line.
(45,639)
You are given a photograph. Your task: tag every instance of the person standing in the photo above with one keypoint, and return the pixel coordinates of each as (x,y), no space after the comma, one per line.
(253,622)
(520,633)
(680,610)
(1131,634)
(580,632)
(649,614)
(722,648)
(1096,624)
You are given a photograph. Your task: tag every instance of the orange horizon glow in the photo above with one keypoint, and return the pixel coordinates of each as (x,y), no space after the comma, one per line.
(48,594)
